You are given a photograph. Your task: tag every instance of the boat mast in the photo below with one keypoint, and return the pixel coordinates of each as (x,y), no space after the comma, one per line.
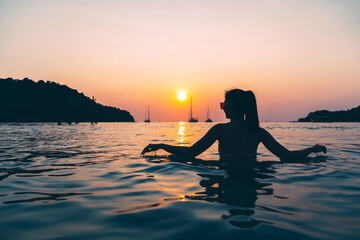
(191,108)
(148,112)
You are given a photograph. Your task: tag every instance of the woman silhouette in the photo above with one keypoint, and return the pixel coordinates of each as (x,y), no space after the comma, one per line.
(240,138)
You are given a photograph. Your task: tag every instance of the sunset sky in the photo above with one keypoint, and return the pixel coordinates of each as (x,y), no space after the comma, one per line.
(297,56)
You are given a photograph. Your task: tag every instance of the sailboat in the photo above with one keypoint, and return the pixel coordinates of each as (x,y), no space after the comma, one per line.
(208,119)
(147,115)
(191,118)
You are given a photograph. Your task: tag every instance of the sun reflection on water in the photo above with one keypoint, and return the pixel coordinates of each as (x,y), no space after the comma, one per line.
(181,133)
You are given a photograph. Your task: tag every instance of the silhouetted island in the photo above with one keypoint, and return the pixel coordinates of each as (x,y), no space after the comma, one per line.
(29,101)
(350,115)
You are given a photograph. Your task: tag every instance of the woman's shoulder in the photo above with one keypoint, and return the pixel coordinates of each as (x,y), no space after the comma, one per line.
(263,133)
(262,130)
(220,126)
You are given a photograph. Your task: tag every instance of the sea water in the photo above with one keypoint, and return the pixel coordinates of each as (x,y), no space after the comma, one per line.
(89,182)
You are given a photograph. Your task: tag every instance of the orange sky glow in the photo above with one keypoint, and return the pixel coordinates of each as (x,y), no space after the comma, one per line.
(297,56)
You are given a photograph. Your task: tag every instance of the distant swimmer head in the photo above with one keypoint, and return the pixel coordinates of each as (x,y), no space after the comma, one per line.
(242,105)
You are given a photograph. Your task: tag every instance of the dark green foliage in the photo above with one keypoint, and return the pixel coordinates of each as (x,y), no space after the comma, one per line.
(350,115)
(26,100)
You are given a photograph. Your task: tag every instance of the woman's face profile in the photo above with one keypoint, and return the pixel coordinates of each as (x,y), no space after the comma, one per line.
(227,109)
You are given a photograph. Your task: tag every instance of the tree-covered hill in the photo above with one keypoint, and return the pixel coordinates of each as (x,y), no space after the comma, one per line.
(26,100)
(350,115)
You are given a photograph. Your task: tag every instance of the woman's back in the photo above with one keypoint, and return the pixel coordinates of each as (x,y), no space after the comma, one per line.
(236,141)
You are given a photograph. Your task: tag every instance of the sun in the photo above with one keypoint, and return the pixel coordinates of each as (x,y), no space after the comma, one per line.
(181,95)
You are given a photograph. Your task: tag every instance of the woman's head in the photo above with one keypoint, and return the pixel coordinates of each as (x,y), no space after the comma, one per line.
(242,104)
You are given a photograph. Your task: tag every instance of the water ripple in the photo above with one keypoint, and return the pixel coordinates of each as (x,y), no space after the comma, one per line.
(83,181)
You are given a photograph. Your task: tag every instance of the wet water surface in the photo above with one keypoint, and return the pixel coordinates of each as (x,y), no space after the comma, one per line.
(90,182)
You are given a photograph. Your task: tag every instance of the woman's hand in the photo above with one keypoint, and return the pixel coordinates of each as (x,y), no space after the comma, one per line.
(150,148)
(318,148)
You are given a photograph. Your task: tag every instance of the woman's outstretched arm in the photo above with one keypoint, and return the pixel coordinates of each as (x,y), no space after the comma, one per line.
(200,146)
(284,154)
